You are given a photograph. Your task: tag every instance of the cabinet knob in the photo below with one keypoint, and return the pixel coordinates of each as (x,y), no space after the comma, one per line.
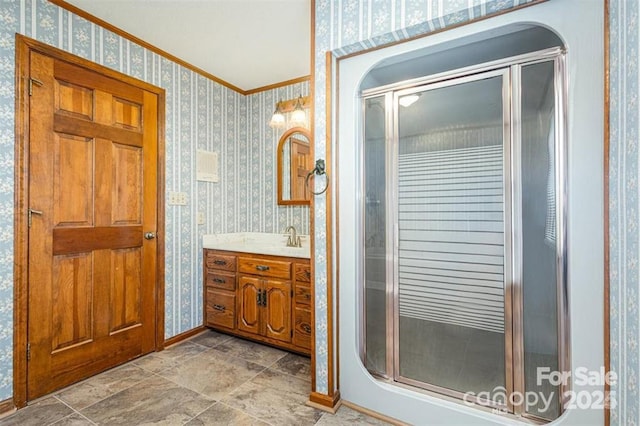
(306,328)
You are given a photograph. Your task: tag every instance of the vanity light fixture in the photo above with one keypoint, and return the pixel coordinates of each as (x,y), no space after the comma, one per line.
(298,116)
(277,119)
(408,100)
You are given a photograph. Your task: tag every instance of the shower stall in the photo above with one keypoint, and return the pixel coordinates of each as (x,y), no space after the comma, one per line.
(464,268)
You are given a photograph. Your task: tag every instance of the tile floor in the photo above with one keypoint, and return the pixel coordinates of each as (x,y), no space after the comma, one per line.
(211,379)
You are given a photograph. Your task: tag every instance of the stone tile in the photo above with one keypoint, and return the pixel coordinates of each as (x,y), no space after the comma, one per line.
(153,363)
(222,415)
(210,338)
(294,365)
(251,351)
(181,351)
(213,374)
(347,416)
(276,398)
(44,412)
(76,419)
(155,400)
(102,386)
(170,357)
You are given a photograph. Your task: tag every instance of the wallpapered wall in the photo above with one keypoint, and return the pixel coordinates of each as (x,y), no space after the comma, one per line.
(200,114)
(624,209)
(350,26)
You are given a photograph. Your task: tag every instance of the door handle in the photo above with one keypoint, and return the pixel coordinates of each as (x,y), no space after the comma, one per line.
(149,235)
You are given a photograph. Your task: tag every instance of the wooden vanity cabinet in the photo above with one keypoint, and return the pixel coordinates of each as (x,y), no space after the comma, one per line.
(302,306)
(219,290)
(272,297)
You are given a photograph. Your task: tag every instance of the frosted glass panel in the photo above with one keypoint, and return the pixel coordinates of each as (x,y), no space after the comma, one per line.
(375,236)
(451,237)
(540,308)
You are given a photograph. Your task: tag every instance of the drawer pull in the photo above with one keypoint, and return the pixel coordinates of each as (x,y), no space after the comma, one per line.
(219,308)
(262,268)
(220,262)
(308,274)
(306,328)
(219,280)
(307,296)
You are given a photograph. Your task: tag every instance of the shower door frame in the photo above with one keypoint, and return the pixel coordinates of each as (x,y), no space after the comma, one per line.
(510,70)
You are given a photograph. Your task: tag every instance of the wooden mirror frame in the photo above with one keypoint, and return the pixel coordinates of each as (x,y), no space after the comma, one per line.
(283,139)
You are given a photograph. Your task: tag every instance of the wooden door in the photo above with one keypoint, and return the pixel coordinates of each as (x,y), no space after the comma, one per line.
(249,311)
(92,188)
(300,166)
(277,312)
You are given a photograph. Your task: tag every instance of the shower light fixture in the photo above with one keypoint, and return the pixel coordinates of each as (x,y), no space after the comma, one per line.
(408,100)
(277,119)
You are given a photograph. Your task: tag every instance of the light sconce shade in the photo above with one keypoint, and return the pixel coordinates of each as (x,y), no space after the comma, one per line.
(277,119)
(408,100)
(298,116)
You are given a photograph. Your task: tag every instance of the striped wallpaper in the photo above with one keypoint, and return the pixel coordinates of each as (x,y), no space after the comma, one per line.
(624,209)
(200,114)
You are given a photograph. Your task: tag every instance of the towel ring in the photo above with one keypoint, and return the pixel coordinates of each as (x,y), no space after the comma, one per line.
(318,170)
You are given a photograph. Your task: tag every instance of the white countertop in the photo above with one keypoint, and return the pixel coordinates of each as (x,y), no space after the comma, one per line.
(257,242)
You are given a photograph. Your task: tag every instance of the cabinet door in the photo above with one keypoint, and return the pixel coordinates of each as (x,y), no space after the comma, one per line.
(248,309)
(302,327)
(277,313)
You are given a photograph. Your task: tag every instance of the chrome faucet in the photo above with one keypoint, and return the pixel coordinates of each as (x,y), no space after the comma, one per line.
(294,239)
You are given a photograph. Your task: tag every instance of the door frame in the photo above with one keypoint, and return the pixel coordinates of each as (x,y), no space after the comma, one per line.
(24,47)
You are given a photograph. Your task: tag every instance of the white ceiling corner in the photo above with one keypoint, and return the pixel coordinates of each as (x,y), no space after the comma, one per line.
(247,43)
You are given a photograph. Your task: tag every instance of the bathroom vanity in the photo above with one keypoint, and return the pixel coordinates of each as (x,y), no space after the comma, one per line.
(255,287)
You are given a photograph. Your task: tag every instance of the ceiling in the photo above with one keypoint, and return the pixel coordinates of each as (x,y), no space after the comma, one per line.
(247,43)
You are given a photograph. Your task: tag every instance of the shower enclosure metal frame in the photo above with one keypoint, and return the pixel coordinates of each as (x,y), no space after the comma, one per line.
(510,71)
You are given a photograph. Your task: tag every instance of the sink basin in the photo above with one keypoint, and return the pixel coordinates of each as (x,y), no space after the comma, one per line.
(257,242)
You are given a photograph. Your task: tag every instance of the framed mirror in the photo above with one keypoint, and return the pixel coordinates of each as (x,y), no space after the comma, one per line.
(294,162)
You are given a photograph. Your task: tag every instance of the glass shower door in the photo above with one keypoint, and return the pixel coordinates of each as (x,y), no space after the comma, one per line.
(450,148)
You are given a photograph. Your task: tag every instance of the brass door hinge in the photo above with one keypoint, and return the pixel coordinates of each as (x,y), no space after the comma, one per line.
(28,351)
(33,81)
(30,213)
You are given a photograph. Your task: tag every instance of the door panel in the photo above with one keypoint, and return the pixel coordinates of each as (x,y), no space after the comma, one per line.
(248,311)
(278,310)
(300,165)
(72,301)
(126,289)
(93,182)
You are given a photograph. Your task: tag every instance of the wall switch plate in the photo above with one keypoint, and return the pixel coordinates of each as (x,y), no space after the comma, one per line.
(177,198)
(200,218)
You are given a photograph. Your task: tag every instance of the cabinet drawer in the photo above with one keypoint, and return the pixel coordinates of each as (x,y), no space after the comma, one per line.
(303,294)
(221,308)
(302,328)
(303,273)
(264,267)
(220,261)
(221,280)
